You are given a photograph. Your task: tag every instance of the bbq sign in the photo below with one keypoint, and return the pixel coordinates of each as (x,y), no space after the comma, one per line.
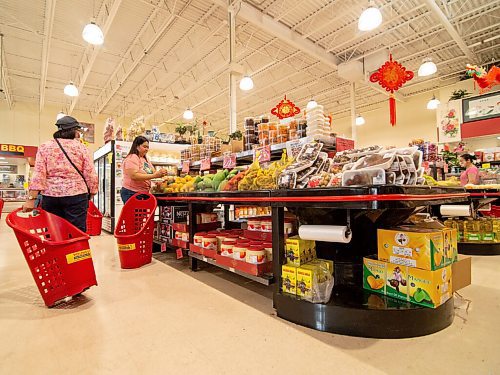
(12,150)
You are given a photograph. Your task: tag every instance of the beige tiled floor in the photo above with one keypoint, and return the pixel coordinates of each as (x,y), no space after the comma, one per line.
(164,319)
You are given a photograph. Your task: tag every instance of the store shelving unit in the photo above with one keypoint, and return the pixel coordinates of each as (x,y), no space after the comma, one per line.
(351,310)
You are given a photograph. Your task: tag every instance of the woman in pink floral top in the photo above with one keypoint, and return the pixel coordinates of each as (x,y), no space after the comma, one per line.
(63,189)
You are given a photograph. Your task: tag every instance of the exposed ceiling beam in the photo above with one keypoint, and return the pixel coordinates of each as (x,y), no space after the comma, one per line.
(3,73)
(182,64)
(50,9)
(134,55)
(436,10)
(277,29)
(106,15)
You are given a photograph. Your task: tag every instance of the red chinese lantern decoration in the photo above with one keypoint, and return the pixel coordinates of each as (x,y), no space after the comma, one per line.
(285,109)
(391,76)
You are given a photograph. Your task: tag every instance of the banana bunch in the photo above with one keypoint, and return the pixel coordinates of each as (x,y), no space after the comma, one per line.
(452,181)
(258,178)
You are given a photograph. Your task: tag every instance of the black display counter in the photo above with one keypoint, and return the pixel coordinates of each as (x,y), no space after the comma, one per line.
(351,310)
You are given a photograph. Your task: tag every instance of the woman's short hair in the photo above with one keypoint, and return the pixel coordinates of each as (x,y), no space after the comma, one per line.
(66,133)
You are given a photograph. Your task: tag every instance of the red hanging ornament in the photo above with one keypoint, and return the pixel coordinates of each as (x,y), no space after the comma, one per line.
(285,109)
(391,76)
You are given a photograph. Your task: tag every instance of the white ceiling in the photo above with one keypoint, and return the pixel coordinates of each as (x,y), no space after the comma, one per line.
(161,56)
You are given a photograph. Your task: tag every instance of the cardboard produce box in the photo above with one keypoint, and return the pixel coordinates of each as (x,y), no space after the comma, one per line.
(461,272)
(428,249)
(422,287)
(289,279)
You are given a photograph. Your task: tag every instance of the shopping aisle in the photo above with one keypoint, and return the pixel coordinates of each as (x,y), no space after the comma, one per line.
(164,319)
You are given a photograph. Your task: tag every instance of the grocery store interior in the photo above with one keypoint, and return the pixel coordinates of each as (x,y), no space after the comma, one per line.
(330,186)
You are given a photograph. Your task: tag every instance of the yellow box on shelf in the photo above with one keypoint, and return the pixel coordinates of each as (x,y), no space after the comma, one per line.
(417,247)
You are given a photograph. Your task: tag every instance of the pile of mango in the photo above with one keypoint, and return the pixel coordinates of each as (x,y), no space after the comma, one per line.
(172,184)
(216,182)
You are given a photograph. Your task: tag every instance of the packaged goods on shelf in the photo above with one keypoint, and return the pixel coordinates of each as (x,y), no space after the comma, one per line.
(315,281)
(428,249)
(299,251)
(289,278)
(422,287)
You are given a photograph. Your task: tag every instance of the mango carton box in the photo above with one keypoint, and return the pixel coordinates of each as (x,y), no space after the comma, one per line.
(299,251)
(413,247)
(450,245)
(289,279)
(312,277)
(422,287)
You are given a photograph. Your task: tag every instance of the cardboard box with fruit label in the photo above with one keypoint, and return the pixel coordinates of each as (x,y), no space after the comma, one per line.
(415,247)
(422,287)
(313,279)
(299,251)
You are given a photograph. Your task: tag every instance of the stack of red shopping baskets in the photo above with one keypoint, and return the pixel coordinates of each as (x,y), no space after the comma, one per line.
(134,231)
(58,254)
(1,207)
(94,220)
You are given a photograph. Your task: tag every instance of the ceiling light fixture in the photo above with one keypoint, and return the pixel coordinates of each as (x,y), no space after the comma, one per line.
(188,114)
(246,83)
(93,34)
(360,120)
(427,68)
(311,104)
(370,19)
(433,103)
(70,89)
(60,115)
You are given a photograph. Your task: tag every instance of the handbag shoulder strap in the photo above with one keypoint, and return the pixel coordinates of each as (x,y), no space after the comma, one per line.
(73,164)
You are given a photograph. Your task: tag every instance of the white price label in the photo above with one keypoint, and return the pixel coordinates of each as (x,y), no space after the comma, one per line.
(231,269)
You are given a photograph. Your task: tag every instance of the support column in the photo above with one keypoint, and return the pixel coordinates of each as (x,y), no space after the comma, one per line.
(353,113)
(232,76)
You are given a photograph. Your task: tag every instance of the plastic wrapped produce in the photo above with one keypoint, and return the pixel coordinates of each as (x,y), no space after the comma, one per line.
(374,176)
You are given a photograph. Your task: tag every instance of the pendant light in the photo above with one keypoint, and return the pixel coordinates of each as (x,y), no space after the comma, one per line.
(427,68)
(70,89)
(311,104)
(188,114)
(246,83)
(370,19)
(93,34)
(360,120)
(60,115)
(433,103)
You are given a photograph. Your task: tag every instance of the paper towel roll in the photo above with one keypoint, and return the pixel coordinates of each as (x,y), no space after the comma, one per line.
(328,233)
(455,210)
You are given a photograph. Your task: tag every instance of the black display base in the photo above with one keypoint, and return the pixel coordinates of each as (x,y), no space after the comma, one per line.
(479,248)
(356,312)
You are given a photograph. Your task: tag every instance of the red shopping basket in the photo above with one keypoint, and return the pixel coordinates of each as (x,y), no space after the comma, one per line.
(134,231)
(58,254)
(94,220)
(1,207)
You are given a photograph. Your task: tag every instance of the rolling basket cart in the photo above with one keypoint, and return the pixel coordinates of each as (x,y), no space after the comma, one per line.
(94,220)
(57,253)
(134,231)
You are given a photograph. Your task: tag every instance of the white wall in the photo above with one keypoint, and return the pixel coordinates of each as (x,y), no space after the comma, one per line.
(413,120)
(23,124)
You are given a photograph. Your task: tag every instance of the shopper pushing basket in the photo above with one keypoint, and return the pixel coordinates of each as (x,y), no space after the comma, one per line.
(64,175)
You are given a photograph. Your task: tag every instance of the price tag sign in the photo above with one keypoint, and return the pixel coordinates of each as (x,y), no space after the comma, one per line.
(185,166)
(231,269)
(229,161)
(179,253)
(163,247)
(344,144)
(263,153)
(205,164)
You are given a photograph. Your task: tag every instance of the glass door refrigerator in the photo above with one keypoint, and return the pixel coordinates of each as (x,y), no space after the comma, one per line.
(104,162)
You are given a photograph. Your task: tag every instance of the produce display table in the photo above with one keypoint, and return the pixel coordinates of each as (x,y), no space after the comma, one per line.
(351,310)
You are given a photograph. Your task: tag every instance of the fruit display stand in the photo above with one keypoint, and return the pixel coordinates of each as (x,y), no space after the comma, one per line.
(480,197)
(351,310)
